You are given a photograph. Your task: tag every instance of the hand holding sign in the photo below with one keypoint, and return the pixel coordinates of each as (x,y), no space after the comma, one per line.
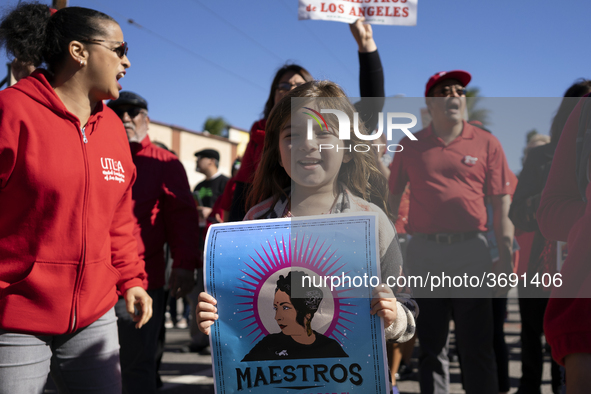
(384,305)
(206,312)
(363,34)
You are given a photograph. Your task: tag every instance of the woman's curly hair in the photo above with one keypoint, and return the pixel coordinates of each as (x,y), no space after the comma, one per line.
(31,34)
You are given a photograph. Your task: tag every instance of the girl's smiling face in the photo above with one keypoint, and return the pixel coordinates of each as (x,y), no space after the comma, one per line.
(311,163)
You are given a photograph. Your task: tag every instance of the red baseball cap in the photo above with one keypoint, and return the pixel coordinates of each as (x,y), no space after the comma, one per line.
(463,76)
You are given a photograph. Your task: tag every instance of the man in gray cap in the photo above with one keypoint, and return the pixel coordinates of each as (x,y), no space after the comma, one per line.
(166,213)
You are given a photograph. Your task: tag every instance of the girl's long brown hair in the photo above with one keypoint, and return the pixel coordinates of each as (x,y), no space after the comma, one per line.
(360,174)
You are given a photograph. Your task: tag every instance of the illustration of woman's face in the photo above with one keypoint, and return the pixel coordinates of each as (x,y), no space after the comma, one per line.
(285,315)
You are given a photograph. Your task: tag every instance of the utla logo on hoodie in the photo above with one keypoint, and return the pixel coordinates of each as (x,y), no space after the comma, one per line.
(112,170)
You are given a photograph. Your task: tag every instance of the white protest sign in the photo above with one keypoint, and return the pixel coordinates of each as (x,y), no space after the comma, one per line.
(378,12)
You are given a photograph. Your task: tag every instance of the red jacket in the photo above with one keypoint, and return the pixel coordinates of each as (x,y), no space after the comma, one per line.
(66,223)
(563,215)
(165,211)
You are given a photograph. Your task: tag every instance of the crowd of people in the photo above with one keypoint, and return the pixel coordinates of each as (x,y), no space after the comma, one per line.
(89,219)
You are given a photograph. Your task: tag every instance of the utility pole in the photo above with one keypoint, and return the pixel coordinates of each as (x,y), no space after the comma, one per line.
(59,4)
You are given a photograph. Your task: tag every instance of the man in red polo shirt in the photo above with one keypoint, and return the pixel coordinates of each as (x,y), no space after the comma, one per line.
(452,167)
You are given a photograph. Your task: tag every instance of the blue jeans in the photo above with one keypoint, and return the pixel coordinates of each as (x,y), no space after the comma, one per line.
(82,362)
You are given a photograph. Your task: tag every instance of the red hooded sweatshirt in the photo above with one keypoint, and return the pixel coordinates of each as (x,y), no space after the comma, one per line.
(66,223)
(165,211)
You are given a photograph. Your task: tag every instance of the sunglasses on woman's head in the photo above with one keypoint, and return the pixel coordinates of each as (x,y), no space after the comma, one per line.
(121,50)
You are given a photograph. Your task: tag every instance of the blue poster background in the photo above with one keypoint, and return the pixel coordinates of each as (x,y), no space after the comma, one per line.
(243,261)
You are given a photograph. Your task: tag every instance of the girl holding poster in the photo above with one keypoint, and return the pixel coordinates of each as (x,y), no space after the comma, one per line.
(310,181)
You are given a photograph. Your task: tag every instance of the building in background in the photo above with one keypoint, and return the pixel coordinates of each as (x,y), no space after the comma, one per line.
(185,143)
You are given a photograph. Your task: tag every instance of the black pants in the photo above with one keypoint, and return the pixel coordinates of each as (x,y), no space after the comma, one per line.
(472,315)
(139,348)
(474,332)
(532,352)
(499,306)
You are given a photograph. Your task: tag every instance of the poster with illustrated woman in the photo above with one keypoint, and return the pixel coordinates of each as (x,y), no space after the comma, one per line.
(293,299)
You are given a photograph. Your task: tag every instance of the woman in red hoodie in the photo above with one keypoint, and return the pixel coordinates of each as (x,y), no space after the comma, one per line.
(66,241)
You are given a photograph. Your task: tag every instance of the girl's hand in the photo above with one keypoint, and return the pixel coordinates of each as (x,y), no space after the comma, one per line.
(206,312)
(383,304)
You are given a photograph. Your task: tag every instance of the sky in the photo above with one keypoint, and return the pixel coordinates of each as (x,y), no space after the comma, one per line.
(192,59)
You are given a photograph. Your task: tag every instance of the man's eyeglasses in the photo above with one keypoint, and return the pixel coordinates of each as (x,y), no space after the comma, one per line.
(286,86)
(121,50)
(131,111)
(447,91)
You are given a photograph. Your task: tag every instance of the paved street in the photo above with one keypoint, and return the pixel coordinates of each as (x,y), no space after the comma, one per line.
(184,373)
(190,373)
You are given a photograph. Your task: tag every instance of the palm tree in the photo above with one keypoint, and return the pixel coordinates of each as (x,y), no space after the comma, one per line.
(530,135)
(475,113)
(215,126)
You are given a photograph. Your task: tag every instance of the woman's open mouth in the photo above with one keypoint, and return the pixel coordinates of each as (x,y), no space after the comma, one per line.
(119,76)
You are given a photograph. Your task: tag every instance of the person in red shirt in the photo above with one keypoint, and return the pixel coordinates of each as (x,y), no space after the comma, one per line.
(66,173)
(564,215)
(165,212)
(451,167)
